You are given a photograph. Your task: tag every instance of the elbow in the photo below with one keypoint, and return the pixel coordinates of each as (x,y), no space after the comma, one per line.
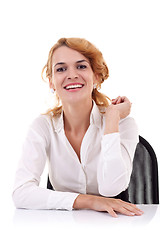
(22,196)
(18,199)
(114,188)
(111,192)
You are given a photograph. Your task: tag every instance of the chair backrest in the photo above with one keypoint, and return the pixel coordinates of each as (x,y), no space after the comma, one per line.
(49,185)
(143,187)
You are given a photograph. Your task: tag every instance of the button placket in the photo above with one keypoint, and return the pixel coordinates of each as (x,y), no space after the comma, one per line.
(87,140)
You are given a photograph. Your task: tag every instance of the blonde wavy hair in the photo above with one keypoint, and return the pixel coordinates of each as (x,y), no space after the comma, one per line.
(96,60)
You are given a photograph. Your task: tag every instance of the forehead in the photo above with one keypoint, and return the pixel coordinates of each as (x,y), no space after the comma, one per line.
(66,54)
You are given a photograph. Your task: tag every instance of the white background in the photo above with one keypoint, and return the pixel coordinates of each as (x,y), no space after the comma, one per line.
(127,33)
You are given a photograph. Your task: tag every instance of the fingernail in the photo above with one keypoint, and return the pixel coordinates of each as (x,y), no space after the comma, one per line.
(141,212)
(132,213)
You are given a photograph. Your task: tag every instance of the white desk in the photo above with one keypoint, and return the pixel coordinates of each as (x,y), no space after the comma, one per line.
(83,217)
(86,222)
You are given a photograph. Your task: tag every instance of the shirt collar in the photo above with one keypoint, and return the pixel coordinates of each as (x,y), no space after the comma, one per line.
(95,119)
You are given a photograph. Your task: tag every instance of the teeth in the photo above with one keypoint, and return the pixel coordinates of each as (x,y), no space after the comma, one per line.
(74,86)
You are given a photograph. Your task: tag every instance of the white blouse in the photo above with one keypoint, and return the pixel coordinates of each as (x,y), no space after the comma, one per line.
(105,168)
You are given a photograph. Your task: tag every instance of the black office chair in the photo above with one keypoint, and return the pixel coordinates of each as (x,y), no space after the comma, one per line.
(143,187)
(49,185)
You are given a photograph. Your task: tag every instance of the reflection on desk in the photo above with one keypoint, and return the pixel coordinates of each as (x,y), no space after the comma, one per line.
(84,217)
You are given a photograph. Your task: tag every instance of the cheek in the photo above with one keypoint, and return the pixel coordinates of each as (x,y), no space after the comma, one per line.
(57,80)
(89,78)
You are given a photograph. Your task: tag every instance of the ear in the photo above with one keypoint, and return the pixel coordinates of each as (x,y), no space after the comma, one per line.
(51,85)
(96,79)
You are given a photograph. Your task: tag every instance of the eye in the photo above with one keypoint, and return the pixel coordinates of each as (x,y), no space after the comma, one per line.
(82,66)
(61,69)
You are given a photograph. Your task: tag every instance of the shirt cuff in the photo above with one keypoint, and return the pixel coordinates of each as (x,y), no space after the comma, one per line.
(61,200)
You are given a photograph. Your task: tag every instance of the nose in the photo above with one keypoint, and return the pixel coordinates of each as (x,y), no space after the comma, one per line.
(72,73)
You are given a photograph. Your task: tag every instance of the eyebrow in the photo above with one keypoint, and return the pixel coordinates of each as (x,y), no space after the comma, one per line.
(61,63)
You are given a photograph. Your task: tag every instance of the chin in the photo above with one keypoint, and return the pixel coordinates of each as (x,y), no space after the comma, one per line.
(76,99)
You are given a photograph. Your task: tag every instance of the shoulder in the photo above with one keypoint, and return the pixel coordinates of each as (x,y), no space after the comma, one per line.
(47,123)
(41,121)
(41,127)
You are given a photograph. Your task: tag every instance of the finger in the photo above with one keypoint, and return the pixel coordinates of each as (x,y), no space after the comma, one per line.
(116,100)
(135,210)
(119,100)
(125,211)
(113,101)
(112,213)
(131,205)
(132,208)
(125,99)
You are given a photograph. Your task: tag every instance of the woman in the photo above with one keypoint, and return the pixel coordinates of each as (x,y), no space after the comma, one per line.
(89,143)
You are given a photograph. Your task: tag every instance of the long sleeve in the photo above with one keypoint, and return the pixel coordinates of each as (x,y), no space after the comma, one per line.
(27,193)
(117,153)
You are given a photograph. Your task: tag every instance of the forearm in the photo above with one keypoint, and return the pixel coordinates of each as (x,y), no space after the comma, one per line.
(111,180)
(111,170)
(30,196)
(112,121)
(117,152)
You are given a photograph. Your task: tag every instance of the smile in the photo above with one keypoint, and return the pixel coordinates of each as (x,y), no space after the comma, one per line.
(73,86)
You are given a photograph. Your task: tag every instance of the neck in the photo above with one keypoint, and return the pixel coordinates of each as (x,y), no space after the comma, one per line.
(77,117)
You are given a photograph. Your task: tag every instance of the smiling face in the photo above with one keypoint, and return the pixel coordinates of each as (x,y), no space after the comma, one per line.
(72,76)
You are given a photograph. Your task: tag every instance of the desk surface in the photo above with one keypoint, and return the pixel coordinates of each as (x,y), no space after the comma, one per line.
(78,224)
(85,217)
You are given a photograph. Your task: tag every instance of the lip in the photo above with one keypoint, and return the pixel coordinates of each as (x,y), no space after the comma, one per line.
(75,83)
(74,89)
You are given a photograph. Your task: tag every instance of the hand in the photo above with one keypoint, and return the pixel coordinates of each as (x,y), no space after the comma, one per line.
(119,109)
(112,206)
(103,204)
(123,105)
